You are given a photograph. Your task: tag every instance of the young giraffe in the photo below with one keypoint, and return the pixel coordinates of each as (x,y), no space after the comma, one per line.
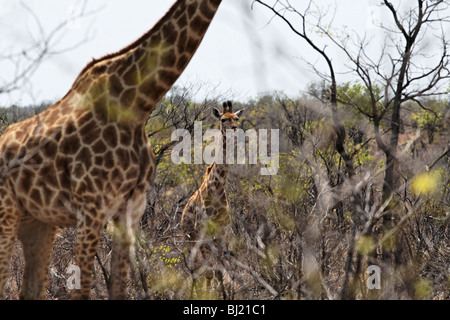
(87,159)
(207,214)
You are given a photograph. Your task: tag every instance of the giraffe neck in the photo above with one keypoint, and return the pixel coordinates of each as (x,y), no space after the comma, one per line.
(138,76)
(221,169)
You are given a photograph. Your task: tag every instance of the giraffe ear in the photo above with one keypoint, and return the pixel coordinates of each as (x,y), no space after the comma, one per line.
(216,113)
(237,113)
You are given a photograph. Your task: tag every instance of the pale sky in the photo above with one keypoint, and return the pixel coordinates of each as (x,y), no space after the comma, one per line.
(241,53)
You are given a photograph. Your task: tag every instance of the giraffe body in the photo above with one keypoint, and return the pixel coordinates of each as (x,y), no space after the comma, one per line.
(87,160)
(206,216)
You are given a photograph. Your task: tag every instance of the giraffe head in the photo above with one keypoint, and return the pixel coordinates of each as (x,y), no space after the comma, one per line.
(228,118)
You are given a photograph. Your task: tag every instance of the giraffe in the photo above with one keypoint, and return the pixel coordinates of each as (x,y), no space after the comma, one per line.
(86,160)
(206,216)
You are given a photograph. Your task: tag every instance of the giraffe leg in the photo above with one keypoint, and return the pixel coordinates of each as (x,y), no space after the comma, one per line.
(37,239)
(120,261)
(9,225)
(88,238)
(209,275)
(123,246)
(203,281)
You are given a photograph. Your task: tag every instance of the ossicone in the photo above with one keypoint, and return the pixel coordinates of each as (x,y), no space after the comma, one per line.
(228,107)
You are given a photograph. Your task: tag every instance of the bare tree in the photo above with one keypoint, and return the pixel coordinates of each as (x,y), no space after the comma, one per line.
(402,71)
(279,8)
(398,71)
(44,44)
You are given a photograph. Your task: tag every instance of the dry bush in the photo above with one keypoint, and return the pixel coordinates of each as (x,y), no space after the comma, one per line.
(296,235)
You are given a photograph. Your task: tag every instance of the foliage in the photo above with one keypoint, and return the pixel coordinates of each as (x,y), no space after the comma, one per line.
(300,234)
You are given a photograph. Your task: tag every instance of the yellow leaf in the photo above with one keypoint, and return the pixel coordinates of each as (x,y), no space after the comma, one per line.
(423,289)
(365,245)
(425,183)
